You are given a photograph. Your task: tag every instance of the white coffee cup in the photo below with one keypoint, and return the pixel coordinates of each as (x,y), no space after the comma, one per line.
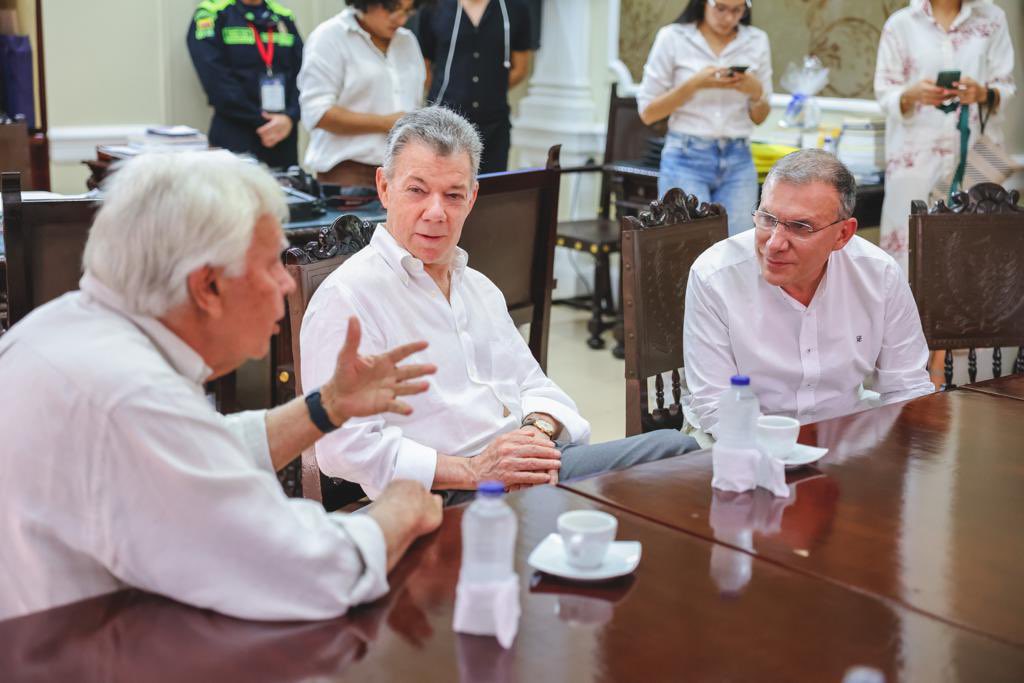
(777,434)
(586,536)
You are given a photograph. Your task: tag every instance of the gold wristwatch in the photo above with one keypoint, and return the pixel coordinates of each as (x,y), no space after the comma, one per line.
(541,424)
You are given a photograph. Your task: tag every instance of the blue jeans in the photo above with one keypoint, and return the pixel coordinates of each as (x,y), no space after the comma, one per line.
(715,170)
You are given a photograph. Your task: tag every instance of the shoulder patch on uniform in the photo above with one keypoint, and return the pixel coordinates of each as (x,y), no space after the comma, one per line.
(204,27)
(278,8)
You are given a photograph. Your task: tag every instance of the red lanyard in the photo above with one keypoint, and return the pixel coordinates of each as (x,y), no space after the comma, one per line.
(266,51)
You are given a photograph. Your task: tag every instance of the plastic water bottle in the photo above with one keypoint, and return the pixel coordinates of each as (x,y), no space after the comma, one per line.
(488,536)
(738,410)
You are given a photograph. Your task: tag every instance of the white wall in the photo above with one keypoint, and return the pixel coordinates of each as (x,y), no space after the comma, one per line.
(113,66)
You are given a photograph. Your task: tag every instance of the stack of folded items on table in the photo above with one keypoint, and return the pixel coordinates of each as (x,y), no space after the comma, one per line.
(861,147)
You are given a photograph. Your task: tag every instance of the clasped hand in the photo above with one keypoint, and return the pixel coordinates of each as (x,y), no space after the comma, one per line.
(525,457)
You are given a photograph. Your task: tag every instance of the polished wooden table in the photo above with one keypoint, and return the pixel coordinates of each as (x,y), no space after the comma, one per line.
(920,504)
(693,610)
(1009,387)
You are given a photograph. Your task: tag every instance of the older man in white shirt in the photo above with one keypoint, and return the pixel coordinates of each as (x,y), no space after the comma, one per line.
(117,472)
(810,311)
(491,412)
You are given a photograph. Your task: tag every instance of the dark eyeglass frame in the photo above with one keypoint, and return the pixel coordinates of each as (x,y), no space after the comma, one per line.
(792,227)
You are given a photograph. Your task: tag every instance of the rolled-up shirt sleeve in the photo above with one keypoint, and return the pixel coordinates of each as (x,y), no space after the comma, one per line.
(890,78)
(708,358)
(250,427)
(367,450)
(657,78)
(320,80)
(901,369)
(188,490)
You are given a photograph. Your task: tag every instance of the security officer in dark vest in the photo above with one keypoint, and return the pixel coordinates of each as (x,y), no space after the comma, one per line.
(247,54)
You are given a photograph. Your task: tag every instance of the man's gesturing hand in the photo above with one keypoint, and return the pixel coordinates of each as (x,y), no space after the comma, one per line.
(367,385)
(517,458)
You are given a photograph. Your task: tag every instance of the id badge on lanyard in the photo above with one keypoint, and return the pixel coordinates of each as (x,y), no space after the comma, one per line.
(271,85)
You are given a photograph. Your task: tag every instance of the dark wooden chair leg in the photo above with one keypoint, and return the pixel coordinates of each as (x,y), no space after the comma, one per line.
(601,282)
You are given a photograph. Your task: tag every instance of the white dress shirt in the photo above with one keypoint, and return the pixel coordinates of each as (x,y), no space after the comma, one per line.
(679,52)
(808,362)
(342,67)
(117,472)
(486,380)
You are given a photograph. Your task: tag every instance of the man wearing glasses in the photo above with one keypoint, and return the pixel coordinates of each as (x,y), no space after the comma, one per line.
(822,320)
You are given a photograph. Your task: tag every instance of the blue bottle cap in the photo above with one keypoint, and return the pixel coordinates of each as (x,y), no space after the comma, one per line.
(740,381)
(491,488)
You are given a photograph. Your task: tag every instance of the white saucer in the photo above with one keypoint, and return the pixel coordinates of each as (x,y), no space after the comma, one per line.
(802,455)
(549,557)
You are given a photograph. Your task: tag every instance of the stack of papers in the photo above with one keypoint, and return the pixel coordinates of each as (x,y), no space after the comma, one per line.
(862,149)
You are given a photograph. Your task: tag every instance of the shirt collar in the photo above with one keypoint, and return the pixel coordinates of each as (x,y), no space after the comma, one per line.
(966,9)
(694,35)
(405,265)
(182,357)
(348,20)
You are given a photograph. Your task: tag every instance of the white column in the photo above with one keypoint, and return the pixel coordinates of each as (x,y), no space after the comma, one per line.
(567,104)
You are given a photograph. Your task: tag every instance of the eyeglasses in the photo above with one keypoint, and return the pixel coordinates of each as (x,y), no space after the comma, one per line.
(766,223)
(729,11)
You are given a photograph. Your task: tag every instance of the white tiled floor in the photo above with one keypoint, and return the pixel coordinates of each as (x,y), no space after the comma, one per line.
(594,379)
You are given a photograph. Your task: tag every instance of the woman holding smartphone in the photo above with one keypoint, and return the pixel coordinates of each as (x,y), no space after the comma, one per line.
(922,143)
(710,73)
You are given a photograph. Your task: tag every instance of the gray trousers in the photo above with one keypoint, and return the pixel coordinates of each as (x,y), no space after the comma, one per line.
(584,460)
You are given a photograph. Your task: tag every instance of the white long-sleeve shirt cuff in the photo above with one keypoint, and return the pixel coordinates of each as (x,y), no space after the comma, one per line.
(367,536)
(250,427)
(576,429)
(416,462)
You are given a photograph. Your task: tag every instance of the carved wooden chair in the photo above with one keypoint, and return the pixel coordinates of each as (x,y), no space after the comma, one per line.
(967,275)
(658,249)
(626,143)
(510,237)
(310,266)
(44,240)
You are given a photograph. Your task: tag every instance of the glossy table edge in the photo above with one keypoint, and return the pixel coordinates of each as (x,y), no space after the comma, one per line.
(986,387)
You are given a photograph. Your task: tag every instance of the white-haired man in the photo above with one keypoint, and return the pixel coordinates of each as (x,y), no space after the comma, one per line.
(810,311)
(116,470)
(491,412)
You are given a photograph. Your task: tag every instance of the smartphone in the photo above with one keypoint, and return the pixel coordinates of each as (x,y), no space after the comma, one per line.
(740,69)
(946,79)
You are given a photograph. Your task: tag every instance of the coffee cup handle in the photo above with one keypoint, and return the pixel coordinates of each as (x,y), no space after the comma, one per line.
(575,545)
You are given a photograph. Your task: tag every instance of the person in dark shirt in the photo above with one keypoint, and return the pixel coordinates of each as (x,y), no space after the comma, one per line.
(247,54)
(475,50)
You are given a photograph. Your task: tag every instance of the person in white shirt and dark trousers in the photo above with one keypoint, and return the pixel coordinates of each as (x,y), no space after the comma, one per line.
(491,412)
(361,71)
(711,107)
(118,473)
(821,320)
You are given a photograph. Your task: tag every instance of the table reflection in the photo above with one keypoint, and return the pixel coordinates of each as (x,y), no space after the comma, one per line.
(801,521)
(134,636)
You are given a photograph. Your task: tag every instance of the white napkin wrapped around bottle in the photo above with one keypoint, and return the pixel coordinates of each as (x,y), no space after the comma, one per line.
(488,608)
(744,469)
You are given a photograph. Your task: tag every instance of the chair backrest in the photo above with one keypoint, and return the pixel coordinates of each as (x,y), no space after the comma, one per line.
(510,238)
(628,136)
(658,249)
(44,240)
(967,274)
(14,154)
(310,266)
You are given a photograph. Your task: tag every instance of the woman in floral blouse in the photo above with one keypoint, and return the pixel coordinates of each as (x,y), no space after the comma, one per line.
(922,143)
